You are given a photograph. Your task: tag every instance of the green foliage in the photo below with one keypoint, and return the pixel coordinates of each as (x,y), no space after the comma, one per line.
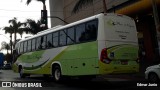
(29,1)
(33,27)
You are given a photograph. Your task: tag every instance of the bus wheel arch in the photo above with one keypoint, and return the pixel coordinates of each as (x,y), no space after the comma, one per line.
(56,72)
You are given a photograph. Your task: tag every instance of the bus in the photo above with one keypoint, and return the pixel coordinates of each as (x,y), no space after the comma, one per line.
(101,44)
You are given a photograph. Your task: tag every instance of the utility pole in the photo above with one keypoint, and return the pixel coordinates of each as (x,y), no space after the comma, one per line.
(157,24)
(11,44)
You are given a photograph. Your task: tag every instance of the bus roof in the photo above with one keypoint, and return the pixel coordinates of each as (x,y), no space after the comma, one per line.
(59,27)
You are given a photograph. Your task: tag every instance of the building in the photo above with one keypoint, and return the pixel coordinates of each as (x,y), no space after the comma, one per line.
(141,10)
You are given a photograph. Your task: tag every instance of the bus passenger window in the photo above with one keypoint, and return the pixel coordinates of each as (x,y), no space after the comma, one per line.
(38,43)
(33,44)
(49,41)
(43,42)
(29,46)
(21,47)
(62,37)
(91,30)
(80,33)
(70,36)
(25,46)
(55,39)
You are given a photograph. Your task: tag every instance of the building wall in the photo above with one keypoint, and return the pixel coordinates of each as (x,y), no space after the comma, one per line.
(56,9)
(63,9)
(83,13)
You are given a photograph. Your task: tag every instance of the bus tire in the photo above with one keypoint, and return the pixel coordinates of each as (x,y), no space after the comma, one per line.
(56,73)
(21,74)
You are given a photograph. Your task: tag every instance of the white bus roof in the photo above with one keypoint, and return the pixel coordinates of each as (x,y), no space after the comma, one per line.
(59,27)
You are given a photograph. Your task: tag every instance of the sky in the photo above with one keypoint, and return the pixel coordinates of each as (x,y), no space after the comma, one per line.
(19,9)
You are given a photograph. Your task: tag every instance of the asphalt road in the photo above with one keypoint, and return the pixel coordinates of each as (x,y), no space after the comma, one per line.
(99,83)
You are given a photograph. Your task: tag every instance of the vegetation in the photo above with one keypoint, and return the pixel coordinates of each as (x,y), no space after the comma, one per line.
(43,1)
(5,46)
(16,27)
(33,27)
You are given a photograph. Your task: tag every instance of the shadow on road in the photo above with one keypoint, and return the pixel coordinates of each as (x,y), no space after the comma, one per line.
(82,84)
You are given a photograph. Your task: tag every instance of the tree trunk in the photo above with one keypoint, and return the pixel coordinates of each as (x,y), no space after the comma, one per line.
(15,38)
(11,44)
(7,51)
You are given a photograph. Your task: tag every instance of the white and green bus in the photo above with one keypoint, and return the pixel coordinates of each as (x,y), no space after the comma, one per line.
(101,44)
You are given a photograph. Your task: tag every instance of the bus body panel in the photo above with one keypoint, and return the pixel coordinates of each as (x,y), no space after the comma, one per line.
(119,37)
(80,59)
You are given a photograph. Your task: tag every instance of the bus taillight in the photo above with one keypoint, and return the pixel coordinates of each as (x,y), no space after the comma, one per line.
(104,57)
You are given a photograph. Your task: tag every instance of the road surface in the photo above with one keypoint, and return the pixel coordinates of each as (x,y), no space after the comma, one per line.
(99,83)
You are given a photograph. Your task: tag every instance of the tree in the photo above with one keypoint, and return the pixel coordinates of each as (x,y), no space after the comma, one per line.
(8,58)
(43,12)
(10,31)
(16,26)
(5,46)
(33,27)
(43,1)
(82,3)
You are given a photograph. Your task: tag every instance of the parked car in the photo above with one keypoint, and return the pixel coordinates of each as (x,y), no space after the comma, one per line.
(152,73)
(7,66)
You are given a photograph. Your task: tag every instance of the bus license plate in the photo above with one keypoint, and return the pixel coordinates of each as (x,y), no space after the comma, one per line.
(124,62)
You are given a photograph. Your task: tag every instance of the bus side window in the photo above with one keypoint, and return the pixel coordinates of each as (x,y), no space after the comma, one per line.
(80,33)
(33,44)
(55,39)
(25,46)
(43,42)
(38,43)
(29,46)
(91,30)
(21,47)
(62,37)
(70,35)
(49,41)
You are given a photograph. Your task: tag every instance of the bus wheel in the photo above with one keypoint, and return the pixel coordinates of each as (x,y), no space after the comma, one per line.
(56,72)
(21,74)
